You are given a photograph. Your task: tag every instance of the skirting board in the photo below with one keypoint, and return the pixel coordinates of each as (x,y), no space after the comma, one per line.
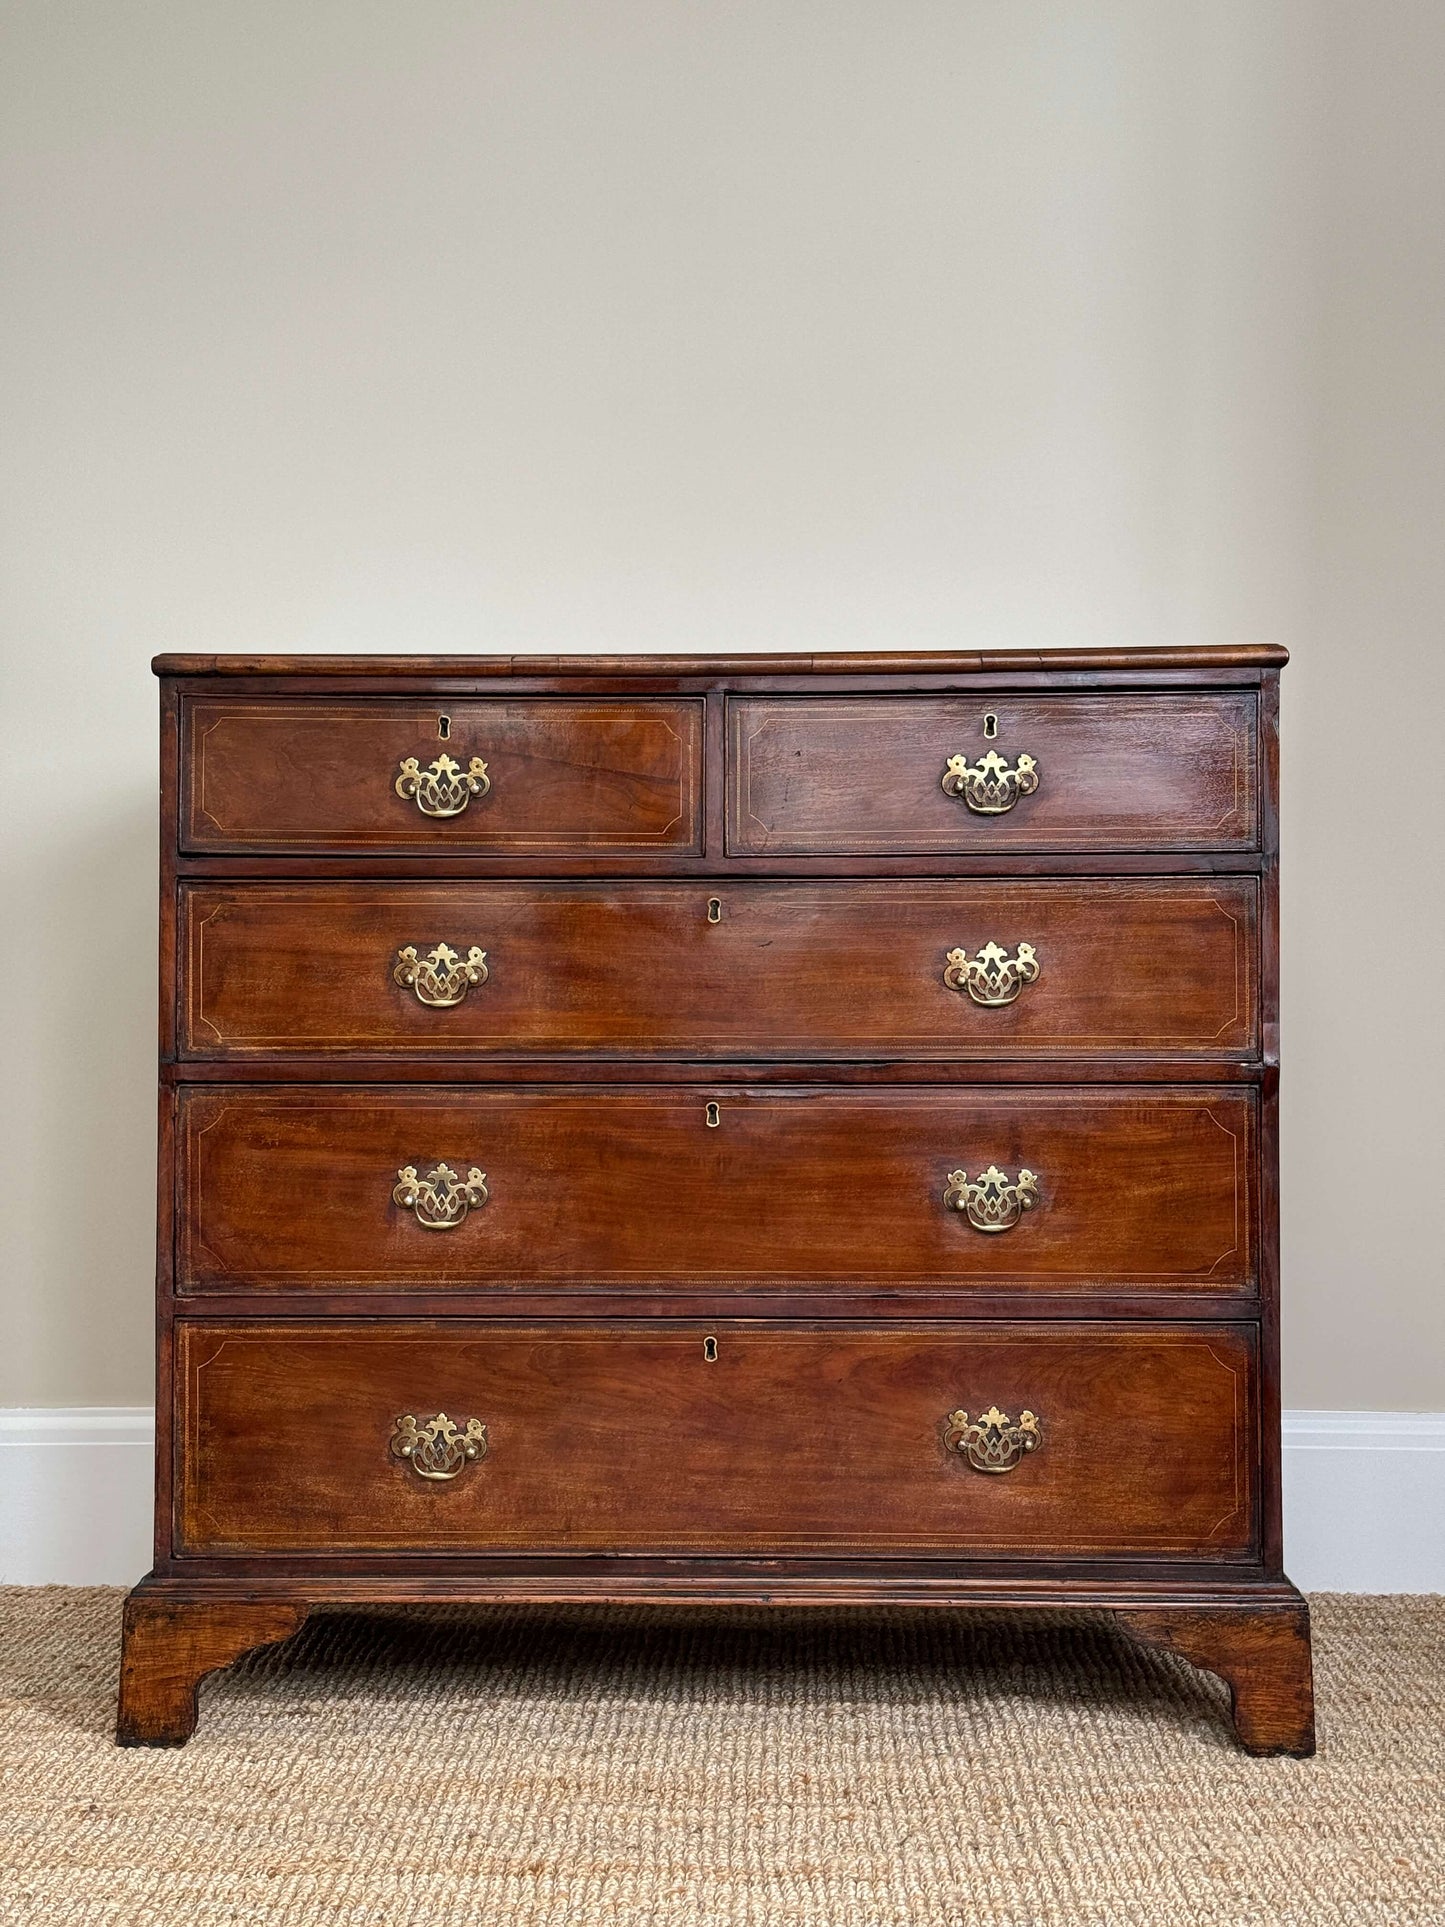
(1364,1498)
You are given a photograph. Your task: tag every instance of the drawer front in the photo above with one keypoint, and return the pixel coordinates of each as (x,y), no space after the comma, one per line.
(908,1439)
(1127,1188)
(943,971)
(864,776)
(543,777)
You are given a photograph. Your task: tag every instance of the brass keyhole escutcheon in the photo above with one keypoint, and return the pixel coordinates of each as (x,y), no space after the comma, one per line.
(714,909)
(444,727)
(713,1114)
(990,723)
(709,1351)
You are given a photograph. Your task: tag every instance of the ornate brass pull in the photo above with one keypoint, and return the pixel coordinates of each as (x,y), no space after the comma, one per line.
(991,1201)
(441,1199)
(989,786)
(435,1449)
(992,1442)
(444,788)
(992,976)
(440,978)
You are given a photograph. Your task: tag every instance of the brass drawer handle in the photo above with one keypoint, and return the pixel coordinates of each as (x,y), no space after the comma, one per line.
(989,786)
(441,978)
(435,1449)
(992,1442)
(991,1201)
(444,788)
(442,1198)
(992,976)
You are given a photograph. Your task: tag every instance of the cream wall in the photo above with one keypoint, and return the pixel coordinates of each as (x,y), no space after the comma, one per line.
(762,325)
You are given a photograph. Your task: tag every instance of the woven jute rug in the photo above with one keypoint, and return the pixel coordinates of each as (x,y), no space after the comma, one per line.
(511,1767)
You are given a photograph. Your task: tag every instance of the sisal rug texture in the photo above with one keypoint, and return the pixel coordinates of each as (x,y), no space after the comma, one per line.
(522,1767)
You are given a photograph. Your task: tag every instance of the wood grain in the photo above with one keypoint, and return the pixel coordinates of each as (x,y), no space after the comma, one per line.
(1144,1187)
(565,775)
(812,970)
(1263,1656)
(863,775)
(168,1647)
(624,1437)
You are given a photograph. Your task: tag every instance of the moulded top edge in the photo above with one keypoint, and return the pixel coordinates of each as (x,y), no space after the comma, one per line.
(829,663)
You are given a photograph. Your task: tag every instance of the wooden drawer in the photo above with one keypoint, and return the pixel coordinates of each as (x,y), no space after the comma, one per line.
(814,970)
(1134,1188)
(584,777)
(862,775)
(626,1438)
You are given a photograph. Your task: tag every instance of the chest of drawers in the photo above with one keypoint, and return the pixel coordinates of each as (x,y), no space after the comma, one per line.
(767,1129)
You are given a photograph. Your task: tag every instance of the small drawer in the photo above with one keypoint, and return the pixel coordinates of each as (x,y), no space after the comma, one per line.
(547,777)
(924,775)
(1032,1441)
(679,1188)
(941,971)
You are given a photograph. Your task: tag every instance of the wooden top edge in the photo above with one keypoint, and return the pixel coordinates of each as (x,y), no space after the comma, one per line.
(941,662)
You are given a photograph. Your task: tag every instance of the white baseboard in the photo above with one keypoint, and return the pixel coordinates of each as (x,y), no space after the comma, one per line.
(1364,1501)
(75,1495)
(1364,1498)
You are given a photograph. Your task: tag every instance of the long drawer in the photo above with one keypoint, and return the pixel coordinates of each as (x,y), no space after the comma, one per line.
(542,776)
(1031,1441)
(1141,1187)
(916,775)
(859,970)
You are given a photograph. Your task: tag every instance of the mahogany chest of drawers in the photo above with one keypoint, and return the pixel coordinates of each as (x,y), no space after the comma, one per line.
(772,1129)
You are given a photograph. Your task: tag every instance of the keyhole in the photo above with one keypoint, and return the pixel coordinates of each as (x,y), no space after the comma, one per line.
(444,727)
(990,723)
(714,909)
(714,1116)
(709,1350)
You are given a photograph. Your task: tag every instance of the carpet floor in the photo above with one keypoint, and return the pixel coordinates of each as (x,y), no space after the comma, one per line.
(521,1767)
